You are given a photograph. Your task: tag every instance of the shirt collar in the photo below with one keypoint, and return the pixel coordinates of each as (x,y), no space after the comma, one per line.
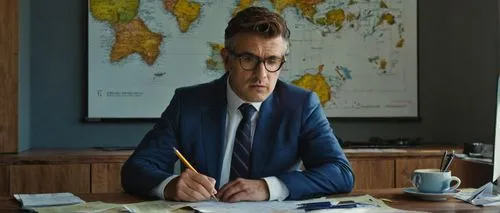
(234,101)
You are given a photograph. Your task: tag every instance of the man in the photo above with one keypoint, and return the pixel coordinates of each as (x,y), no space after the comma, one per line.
(245,133)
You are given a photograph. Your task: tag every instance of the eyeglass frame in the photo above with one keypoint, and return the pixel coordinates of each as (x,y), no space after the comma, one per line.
(260,60)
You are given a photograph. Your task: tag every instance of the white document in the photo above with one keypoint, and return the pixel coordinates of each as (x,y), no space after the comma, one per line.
(372,205)
(487,195)
(47,199)
(247,207)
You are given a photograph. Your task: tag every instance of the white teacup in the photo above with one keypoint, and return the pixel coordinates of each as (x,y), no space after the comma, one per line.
(434,181)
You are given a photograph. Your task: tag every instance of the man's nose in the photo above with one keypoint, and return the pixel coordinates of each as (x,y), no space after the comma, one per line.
(260,71)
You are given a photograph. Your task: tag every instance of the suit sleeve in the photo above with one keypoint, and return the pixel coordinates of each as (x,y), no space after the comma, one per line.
(153,160)
(327,169)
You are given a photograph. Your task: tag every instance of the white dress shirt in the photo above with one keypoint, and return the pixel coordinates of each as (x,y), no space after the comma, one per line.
(277,189)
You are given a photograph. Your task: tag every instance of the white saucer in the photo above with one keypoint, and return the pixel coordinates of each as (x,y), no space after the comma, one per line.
(430,196)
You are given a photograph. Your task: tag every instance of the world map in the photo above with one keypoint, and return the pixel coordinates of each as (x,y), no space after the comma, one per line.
(358,56)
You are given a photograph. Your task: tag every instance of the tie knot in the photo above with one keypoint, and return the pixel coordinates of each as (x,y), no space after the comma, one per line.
(247,110)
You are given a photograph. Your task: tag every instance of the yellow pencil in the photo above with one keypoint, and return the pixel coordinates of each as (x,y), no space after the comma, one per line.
(186,163)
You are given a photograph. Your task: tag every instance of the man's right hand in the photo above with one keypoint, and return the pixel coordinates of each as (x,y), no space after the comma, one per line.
(190,186)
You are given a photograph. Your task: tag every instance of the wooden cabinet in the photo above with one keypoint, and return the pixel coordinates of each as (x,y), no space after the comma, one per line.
(9,31)
(46,178)
(75,171)
(373,173)
(106,177)
(50,178)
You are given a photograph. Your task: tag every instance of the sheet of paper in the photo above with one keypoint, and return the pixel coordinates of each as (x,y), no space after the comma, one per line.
(253,207)
(465,193)
(90,207)
(247,207)
(486,195)
(155,206)
(213,206)
(47,199)
(373,205)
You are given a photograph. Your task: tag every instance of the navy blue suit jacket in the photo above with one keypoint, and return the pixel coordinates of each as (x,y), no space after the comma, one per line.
(291,128)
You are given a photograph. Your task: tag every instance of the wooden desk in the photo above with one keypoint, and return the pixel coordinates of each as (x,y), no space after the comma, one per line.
(399,201)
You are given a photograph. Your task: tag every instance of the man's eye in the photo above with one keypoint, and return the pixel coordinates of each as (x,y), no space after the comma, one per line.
(273,60)
(248,58)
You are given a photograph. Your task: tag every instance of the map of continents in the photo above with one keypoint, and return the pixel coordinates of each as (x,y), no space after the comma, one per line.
(350,52)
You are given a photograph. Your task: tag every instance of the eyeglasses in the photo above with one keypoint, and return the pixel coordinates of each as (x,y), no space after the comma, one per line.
(249,62)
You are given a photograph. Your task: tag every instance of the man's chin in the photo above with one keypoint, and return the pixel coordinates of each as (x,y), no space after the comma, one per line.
(257,97)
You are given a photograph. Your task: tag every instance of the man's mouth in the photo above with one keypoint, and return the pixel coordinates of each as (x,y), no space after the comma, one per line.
(257,85)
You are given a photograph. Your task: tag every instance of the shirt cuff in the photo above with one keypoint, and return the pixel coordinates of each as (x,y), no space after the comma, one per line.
(158,191)
(277,189)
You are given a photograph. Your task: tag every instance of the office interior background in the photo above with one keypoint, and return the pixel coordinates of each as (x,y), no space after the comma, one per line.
(43,99)
(458,66)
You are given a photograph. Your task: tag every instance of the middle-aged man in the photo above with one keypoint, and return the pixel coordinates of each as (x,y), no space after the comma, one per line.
(245,133)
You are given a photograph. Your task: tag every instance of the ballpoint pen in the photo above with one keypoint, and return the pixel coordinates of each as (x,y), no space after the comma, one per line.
(328,205)
(324,204)
(186,163)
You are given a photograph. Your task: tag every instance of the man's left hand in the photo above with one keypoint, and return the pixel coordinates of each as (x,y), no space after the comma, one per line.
(244,190)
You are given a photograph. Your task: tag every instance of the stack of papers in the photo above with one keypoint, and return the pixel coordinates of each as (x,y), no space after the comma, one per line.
(51,203)
(373,205)
(487,195)
(49,199)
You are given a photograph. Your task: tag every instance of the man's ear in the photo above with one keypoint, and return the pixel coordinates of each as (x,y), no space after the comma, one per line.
(224,54)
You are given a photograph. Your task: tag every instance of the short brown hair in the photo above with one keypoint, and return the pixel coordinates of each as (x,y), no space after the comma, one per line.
(256,20)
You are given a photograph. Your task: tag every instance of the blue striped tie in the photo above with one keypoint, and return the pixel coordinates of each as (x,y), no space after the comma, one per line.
(242,147)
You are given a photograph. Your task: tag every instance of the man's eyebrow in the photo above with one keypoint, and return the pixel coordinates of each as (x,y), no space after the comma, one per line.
(249,53)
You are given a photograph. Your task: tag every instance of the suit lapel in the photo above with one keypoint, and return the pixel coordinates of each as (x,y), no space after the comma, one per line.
(263,140)
(214,128)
